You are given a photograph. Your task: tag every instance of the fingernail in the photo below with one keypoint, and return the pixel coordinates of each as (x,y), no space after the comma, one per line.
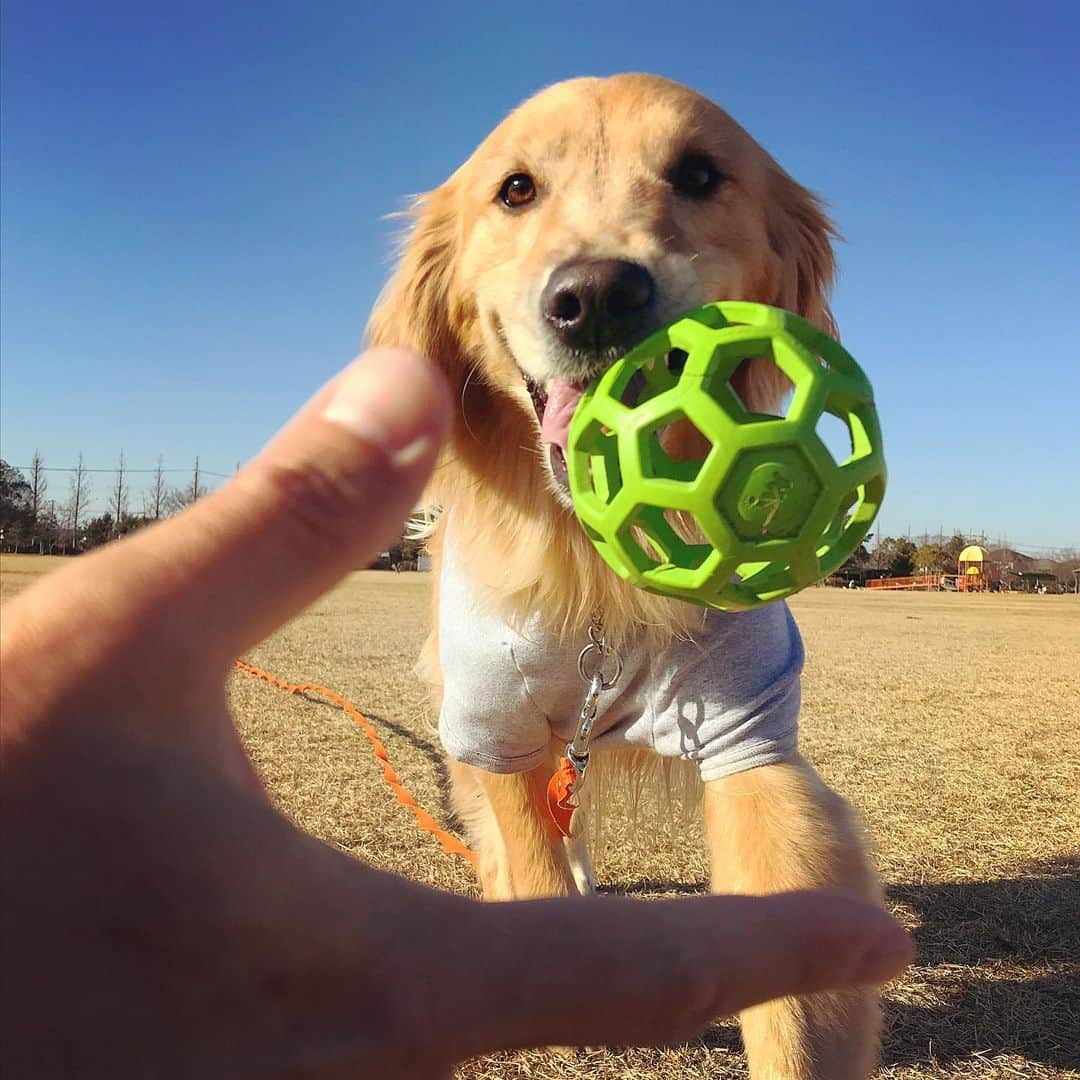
(887,957)
(389,397)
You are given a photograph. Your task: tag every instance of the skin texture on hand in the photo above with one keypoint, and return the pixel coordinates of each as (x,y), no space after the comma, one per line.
(161,918)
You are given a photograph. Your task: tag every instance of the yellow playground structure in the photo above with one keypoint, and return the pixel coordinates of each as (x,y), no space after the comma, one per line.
(975,572)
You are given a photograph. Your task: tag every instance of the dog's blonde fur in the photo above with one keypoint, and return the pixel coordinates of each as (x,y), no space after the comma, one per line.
(466,294)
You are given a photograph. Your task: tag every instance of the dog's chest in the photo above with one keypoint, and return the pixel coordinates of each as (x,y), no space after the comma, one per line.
(721,698)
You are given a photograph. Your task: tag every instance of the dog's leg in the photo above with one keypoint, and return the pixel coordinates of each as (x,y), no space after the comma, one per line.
(577,851)
(481,830)
(521,852)
(779,828)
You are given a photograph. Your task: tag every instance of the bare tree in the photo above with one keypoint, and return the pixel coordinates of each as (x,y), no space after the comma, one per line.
(49,531)
(118,497)
(39,483)
(156,500)
(185,496)
(77,500)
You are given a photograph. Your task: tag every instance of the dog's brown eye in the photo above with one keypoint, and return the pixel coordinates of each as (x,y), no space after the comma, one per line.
(517,190)
(695,176)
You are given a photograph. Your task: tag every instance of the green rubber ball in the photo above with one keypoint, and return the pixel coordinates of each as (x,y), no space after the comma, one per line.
(768,510)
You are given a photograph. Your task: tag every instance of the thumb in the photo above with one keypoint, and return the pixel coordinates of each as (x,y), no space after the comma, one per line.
(332,487)
(328,492)
(624,972)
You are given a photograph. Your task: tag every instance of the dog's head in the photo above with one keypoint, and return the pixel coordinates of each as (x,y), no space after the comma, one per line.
(596,212)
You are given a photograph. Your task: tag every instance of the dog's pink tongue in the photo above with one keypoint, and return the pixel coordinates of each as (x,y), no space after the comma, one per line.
(562,399)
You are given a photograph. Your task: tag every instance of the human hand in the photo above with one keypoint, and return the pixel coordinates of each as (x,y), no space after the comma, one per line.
(162,918)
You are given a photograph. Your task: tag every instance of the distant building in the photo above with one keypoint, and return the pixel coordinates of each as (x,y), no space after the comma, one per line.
(1024,572)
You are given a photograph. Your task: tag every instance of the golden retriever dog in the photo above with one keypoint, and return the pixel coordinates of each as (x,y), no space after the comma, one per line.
(596,212)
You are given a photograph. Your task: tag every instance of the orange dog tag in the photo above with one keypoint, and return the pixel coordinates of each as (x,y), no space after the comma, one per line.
(559,793)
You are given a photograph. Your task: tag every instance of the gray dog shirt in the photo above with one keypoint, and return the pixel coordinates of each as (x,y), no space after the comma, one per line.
(728,700)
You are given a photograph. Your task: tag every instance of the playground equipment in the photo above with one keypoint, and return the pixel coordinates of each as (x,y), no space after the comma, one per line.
(915,583)
(975,572)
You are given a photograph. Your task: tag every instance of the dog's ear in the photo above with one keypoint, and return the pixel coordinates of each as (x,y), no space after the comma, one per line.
(801,235)
(425,308)
(416,308)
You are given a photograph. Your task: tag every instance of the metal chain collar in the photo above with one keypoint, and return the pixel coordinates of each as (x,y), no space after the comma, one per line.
(600,668)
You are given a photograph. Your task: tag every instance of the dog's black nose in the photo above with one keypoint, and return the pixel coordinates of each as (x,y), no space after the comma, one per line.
(596,303)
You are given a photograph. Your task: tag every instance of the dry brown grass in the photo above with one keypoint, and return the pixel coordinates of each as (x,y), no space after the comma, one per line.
(950,721)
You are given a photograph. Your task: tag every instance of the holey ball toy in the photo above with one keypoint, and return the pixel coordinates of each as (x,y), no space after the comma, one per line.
(768,509)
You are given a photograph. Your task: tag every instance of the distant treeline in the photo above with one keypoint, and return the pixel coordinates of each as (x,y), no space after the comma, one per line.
(33,520)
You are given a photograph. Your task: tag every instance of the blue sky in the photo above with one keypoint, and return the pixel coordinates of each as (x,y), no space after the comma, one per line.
(194,201)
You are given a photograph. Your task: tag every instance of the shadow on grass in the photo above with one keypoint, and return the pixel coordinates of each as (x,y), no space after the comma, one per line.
(997,968)
(430,750)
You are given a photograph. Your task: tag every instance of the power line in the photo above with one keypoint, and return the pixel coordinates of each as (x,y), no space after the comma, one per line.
(74,468)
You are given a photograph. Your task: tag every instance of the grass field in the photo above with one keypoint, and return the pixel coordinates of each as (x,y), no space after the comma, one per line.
(950,721)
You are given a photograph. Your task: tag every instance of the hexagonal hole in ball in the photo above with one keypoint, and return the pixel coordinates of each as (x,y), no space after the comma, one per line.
(601,445)
(663,535)
(677,449)
(654,377)
(834,432)
(685,525)
(754,387)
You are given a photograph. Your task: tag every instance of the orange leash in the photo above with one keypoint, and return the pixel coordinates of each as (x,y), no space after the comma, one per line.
(450,843)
